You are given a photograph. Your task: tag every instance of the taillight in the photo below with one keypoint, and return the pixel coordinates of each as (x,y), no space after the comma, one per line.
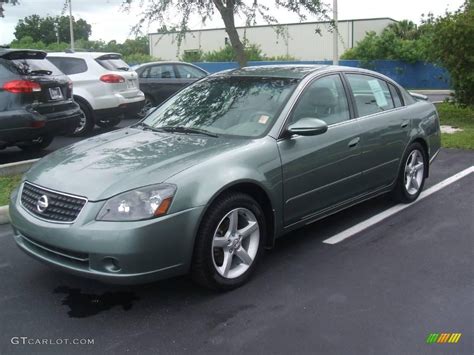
(21,86)
(69,85)
(112,79)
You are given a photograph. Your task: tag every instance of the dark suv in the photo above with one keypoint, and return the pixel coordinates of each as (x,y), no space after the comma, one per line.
(35,100)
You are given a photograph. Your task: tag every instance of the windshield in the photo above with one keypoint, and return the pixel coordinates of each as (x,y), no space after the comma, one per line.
(237,106)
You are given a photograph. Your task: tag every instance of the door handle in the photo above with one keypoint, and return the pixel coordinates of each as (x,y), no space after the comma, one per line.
(404,124)
(354,142)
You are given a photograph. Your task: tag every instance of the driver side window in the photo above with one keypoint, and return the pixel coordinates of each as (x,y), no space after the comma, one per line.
(324,99)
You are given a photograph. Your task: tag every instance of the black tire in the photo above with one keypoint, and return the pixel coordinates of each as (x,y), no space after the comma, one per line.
(400,193)
(109,123)
(203,271)
(149,104)
(37,144)
(88,126)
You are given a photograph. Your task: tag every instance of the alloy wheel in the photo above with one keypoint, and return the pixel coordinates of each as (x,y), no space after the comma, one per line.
(235,243)
(414,172)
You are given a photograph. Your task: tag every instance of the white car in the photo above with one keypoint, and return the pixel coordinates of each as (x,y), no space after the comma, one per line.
(105,87)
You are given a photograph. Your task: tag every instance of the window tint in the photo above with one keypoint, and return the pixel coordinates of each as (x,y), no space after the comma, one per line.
(397,100)
(372,95)
(324,99)
(189,72)
(164,71)
(69,66)
(35,67)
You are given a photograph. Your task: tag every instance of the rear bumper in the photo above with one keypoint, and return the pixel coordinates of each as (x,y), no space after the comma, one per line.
(28,124)
(126,109)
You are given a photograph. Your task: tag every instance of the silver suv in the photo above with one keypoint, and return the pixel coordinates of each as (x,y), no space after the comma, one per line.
(105,87)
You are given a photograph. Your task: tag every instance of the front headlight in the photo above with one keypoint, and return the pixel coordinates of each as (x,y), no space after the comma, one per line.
(143,203)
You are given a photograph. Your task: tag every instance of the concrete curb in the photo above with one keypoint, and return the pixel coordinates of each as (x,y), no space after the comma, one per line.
(16,168)
(4,216)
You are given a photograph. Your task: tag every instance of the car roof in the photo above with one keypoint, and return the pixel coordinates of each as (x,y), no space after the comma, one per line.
(142,65)
(94,55)
(291,71)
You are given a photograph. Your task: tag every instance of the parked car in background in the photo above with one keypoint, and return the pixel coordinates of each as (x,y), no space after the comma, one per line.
(35,100)
(221,170)
(105,87)
(160,80)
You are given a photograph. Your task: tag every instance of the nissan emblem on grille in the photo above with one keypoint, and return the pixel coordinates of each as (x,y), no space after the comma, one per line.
(42,203)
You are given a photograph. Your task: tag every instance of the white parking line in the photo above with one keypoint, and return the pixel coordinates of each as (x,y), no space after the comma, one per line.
(339,237)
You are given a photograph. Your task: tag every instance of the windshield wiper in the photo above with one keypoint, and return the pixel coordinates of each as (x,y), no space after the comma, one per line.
(123,68)
(183,129)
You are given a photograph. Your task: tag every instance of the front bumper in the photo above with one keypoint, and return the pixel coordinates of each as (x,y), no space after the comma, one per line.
(115,252)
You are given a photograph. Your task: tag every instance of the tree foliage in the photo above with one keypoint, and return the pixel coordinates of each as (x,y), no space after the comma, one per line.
(134,51)
(452,45)
(177,13)
(51,29)
(253,52)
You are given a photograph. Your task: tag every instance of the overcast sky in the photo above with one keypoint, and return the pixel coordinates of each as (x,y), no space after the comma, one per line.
(110,22)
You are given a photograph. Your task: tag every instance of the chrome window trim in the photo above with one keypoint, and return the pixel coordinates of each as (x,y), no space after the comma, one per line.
(56,192)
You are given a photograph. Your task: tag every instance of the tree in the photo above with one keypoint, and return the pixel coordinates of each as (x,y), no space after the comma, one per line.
(2,2)
(250,10)
(398,41)
(452,46)
(51,29)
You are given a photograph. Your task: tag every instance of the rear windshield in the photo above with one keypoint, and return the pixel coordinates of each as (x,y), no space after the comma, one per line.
(113,63)
(35,67)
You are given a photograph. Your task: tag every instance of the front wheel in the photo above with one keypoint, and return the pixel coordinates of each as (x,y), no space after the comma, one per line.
(411,177)
(229,242)
(86,121)
(37,144)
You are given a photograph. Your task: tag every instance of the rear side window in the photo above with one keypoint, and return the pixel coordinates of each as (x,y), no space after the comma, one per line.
(35,67)
(69,66)
(371,95)
(189,72)
(397,100)
(163,71)
(113,62)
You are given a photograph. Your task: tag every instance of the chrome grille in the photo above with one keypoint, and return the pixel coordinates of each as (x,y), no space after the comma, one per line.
(61,207)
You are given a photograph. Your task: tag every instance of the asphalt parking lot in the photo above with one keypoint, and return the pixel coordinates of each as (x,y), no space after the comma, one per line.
(382,291)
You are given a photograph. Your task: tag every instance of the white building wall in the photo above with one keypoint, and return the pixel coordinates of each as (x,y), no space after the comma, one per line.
(297,40)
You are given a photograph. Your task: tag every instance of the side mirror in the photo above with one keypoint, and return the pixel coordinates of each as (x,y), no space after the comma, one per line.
(308,127)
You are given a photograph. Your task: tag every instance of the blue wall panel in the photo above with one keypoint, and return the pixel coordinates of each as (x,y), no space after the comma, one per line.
(419,75)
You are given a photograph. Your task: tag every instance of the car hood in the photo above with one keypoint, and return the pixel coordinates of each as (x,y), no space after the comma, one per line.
(108,164)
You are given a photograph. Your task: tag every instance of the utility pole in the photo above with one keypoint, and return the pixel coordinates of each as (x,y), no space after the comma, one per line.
(335,33)
(71,24)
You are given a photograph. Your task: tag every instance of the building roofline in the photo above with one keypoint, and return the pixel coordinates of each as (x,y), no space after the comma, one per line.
(276,24)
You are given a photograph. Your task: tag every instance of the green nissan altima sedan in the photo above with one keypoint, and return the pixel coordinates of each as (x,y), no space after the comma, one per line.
(215,174)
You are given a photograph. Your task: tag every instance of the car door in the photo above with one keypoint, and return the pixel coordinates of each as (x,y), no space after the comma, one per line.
(384,126)
(159,81)
(321,171)
(188,74)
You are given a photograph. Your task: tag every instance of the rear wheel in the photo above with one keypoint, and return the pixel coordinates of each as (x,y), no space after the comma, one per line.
(411,177)
(37,144)
(229,242)
(86,122)
(149,104)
